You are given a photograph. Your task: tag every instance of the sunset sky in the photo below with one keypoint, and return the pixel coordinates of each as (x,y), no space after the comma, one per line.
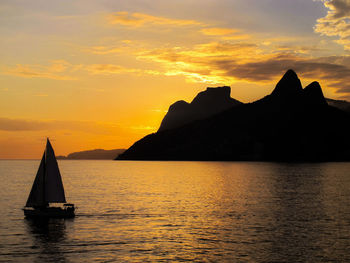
(102,73)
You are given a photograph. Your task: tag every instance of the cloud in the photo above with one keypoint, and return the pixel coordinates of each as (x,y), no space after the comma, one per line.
(199,54)
(225,63)
(218,31)
(15,125)
(52,71)
(199,64)
(298,49)
(21,125)
(225,33)
(59,66)
(141,127)
(103,50)
(273,68)
(337,21)
(159,111)
(125,46)
(140,19)
(112,69)
(62,70)
(338,8)
(107,69)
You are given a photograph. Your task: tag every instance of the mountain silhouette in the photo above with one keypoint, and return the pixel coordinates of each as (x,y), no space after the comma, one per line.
(205,104)
(97,154)
(290,124)
(288,87)
(340,104)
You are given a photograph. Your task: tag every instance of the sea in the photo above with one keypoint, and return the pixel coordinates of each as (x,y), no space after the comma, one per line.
(135,211)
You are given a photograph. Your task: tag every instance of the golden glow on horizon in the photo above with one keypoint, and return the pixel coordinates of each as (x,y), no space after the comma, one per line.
(104,79)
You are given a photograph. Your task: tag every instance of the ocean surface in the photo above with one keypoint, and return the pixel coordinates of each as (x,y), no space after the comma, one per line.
(182,211)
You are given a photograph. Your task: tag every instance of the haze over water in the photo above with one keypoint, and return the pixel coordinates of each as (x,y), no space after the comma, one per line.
(182,211)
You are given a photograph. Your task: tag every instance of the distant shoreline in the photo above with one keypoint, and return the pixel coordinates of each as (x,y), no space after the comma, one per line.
(189,161)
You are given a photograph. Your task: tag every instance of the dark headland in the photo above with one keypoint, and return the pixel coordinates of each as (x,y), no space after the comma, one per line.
(290,124)
(97,154)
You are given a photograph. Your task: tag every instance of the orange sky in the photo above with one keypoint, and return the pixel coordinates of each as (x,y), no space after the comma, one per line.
(102,74)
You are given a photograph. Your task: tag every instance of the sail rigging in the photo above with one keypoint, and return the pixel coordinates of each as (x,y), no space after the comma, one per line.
(47,186)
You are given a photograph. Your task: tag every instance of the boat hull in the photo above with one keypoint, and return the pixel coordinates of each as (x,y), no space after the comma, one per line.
(49,212)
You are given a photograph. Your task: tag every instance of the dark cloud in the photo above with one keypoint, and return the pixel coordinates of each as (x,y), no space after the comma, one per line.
(335,75)
(224,63)
(336,22)
(338,8)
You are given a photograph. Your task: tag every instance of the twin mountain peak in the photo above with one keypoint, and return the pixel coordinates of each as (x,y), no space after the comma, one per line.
(290,124)
(215,100)
(289,88)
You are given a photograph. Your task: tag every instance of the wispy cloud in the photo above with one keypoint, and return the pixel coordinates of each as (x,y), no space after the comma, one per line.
(63,70)
(21,125)
(218,31)
(226,63)
(337,21)
(53,71)
(16,125)
(107,69)
(159,111)
(199,64)
(59,66)
(103,50)
(143,127)
(41,95)
(140,19)
(298,49)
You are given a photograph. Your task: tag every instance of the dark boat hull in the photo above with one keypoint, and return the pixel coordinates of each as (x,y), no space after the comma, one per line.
(49,212)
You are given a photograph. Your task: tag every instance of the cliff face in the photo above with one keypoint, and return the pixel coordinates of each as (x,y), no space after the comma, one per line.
(290,124)
(205,104)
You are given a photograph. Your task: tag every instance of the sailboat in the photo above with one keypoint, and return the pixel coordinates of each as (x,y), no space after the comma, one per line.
(48,189)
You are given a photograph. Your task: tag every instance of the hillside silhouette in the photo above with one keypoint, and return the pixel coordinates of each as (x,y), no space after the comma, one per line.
(97,154)
(290,124)
(205,104)
(340,104)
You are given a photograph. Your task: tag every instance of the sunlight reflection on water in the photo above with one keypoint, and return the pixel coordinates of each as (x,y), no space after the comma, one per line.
(183,211)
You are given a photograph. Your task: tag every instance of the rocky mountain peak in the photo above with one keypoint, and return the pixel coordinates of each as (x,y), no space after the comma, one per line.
(313,94)
(288,86)
(205,104)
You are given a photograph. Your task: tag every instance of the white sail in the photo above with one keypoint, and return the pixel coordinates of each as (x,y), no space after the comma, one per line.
(36,196)
(54,191)
(47,186)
